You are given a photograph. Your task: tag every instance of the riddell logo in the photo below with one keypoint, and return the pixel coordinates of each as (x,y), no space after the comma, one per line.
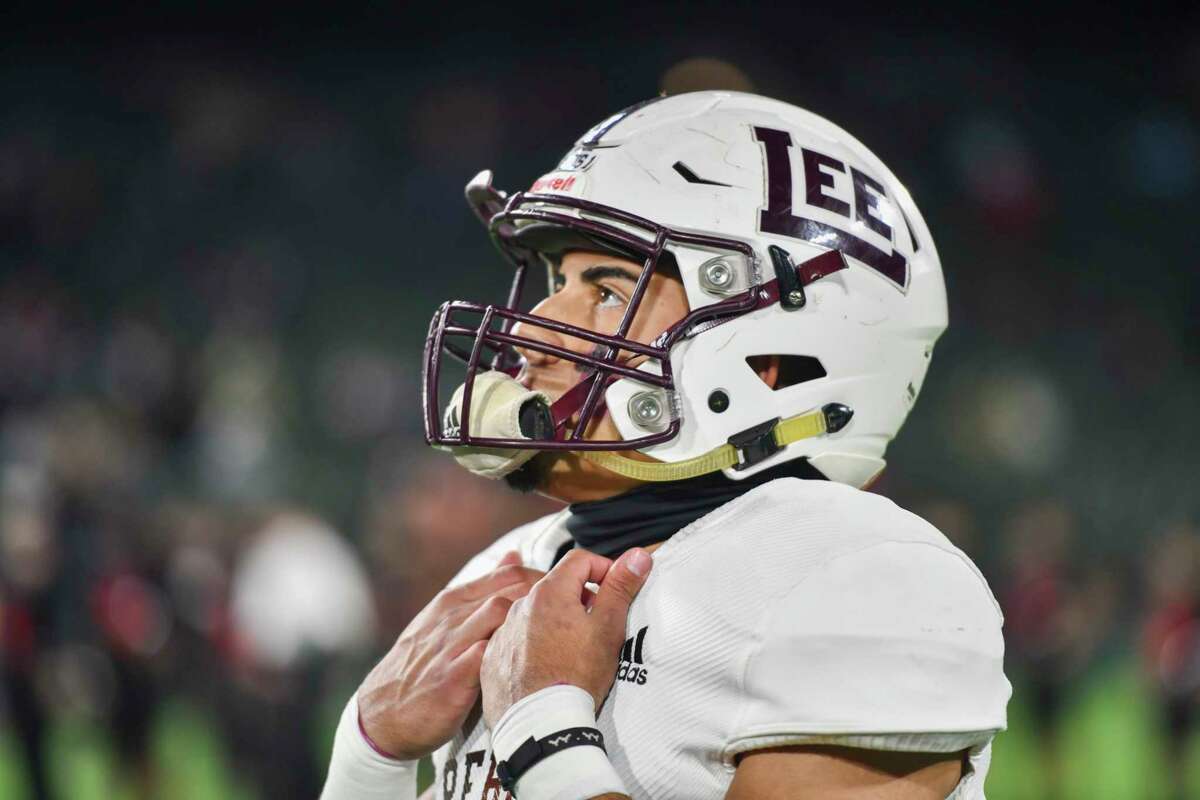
(553,183)
(633,667)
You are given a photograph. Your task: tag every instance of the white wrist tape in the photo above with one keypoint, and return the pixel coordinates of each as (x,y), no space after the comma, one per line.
(358,772)
(571,774)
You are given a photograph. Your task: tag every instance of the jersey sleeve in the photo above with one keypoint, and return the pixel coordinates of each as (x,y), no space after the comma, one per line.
(899,640)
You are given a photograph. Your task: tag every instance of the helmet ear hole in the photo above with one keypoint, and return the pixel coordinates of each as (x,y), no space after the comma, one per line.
(789,370)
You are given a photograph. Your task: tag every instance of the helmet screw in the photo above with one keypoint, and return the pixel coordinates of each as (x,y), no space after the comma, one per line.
(796,297)
(719,273)
(646,409)
(718,401)
(717,276)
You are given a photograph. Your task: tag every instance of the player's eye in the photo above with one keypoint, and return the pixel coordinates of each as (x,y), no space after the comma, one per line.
(559,282)
(609,298)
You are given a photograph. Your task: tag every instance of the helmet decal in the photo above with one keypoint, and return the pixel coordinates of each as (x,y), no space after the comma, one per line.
(777,216)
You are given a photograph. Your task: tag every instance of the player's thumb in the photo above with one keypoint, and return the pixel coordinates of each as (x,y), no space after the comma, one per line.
(622,583)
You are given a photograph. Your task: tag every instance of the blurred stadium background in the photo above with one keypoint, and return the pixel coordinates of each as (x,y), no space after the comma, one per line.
(222,236)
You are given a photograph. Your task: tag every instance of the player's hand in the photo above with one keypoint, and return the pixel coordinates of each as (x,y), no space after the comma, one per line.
(552,637)
(418,696)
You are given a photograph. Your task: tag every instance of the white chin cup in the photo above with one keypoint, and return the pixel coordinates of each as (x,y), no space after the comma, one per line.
(496,402)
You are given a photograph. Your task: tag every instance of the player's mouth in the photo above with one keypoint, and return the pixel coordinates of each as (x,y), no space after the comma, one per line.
(556,380)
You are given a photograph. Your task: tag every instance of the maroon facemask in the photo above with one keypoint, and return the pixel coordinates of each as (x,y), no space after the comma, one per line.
(480,335)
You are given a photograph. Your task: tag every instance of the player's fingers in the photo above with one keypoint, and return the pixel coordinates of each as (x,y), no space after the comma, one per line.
(510,559)
(516,590)
(622,583)
(494,581)
(464,669)
(482,623)
(577,568)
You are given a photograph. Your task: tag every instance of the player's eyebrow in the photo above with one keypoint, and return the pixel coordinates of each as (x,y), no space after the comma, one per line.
(602,271)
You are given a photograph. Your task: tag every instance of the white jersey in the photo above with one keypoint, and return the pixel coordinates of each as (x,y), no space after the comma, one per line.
(802,612)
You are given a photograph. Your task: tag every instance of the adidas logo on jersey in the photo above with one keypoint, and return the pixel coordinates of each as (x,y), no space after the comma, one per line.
(633,667)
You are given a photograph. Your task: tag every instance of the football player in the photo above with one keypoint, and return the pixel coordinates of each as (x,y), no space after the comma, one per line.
(742,305)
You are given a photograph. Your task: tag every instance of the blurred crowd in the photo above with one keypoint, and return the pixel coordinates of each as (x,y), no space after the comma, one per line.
(216,269)
(112,605)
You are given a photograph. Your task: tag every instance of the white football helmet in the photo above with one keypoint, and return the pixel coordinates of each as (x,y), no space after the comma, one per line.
(791,239)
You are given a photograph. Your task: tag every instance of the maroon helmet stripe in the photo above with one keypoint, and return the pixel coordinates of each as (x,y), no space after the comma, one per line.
(816,268)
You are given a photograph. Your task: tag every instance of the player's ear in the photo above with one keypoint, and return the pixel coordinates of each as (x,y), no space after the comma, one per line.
(766,367)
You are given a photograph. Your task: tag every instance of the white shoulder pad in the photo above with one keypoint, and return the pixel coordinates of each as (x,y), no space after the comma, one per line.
(898,637)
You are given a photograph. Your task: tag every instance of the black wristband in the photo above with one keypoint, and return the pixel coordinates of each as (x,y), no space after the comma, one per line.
(533,751)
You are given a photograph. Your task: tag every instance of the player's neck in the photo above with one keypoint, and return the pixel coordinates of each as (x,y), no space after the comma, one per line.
(651,514)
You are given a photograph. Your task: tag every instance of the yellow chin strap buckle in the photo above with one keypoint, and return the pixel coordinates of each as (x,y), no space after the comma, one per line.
(743,450)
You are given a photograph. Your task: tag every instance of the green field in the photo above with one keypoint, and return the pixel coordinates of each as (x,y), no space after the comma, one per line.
(1111,750)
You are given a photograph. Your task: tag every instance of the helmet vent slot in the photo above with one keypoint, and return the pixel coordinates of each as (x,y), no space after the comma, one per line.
(692,177)
(790,370)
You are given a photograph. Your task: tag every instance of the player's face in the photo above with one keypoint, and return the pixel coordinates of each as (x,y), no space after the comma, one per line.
(592,290)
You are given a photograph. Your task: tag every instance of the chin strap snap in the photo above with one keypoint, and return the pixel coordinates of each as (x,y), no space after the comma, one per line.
(743,450)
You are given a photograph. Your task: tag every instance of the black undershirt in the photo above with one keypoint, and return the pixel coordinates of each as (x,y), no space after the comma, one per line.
(655,511)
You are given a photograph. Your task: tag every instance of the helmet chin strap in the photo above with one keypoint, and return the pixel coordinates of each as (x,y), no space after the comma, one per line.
(741,451)
(499,405)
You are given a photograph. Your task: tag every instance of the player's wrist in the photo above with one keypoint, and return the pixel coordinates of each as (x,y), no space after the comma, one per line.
(558,726)
(386,751)
(360,769)
(384,738)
